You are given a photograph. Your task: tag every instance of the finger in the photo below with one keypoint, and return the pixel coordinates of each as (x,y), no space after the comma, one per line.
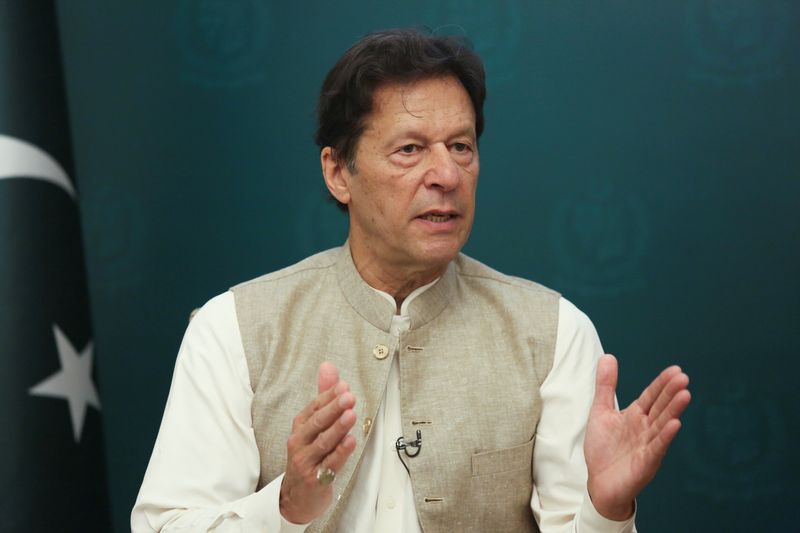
(338,457)
(329,439)
(606,382)
(340,388)
(327,376)
(659,446)
(325,417)
(649,395)
(676,383)
(673,411)
(318,403)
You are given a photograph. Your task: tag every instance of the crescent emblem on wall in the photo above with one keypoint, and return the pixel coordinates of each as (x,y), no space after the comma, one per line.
(20,159)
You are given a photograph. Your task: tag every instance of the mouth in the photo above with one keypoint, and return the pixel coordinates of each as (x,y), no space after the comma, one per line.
(437,217)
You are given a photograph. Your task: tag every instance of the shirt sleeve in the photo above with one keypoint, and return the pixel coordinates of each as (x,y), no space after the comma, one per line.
(560,501)
(205,465)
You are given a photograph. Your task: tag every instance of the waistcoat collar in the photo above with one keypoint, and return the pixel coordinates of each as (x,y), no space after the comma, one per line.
(376,310)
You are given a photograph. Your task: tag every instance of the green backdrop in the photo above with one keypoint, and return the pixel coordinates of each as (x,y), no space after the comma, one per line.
(642,157)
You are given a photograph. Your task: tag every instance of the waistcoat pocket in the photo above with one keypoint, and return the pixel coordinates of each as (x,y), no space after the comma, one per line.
(500,487)
(503,460)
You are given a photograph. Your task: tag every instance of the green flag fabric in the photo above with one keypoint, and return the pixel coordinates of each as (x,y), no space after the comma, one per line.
(52,473)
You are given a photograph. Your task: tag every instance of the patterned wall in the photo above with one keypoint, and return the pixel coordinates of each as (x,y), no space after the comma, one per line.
(641,157)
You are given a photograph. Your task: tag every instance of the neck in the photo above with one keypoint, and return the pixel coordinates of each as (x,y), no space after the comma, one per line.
(398,282)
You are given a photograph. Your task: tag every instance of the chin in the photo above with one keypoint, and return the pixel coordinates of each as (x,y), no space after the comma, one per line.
(440,254)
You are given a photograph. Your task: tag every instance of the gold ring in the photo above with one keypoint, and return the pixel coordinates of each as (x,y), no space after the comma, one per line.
(325,476)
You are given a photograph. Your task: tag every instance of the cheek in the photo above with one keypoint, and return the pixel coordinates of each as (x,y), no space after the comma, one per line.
(379,200)
(474,168)
(392,189)
(470,180)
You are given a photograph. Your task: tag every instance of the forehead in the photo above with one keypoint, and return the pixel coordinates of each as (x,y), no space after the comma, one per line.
(429,102)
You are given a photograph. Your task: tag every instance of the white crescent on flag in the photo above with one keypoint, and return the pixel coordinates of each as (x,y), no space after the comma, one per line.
(20,159)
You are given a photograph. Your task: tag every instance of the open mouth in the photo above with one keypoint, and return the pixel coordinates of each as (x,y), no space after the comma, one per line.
(437,218)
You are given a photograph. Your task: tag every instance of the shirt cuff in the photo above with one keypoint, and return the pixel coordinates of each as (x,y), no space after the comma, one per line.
(593,522)
(264,510)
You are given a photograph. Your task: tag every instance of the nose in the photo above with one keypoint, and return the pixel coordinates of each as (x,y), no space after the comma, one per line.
(443,173)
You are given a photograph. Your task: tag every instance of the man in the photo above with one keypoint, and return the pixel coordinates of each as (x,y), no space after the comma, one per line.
(449,397)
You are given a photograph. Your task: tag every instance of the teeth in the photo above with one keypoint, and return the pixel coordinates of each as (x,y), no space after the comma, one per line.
(437,218)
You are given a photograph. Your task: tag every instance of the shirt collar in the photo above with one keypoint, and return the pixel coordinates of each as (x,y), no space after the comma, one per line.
(378,308)
(407,302)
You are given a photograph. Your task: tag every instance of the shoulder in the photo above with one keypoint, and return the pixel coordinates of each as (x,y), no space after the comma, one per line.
(212,345)
(572,319)
(217,313)
(315,264)
(473,271)
(577,336)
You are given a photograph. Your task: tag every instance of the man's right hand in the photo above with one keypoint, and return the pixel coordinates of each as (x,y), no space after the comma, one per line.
(320,439)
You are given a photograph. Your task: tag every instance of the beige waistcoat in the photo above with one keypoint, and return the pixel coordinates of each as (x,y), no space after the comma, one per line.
(479,347)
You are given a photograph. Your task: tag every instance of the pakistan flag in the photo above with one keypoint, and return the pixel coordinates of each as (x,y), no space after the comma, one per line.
(52,473)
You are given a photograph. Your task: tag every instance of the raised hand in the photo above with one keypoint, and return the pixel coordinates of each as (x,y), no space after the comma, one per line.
(624,449)
(320,439)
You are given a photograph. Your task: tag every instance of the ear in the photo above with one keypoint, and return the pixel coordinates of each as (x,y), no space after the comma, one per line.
(336,174)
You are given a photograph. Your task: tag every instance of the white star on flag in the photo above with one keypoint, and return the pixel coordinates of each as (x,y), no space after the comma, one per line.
(73,382)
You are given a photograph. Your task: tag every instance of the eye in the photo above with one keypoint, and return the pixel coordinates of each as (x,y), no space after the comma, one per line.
(409,148)
(460,147)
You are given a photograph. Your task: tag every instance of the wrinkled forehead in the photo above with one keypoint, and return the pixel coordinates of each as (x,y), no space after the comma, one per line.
(435,99)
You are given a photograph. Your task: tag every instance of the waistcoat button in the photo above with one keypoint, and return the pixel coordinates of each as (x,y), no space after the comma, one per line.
(380,351)
(367,425)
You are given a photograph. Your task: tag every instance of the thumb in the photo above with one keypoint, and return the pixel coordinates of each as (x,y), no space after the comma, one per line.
(606,382)
(327,377)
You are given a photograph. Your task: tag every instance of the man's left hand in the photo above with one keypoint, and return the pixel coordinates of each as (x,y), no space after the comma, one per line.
(624,449)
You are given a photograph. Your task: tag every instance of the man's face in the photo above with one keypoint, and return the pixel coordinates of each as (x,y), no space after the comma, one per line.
(412,198)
